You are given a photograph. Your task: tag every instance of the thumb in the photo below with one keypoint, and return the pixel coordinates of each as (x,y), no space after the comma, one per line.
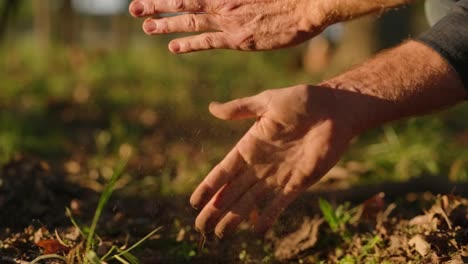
(248,107)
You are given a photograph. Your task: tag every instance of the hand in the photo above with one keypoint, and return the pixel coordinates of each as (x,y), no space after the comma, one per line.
(235,24)
(300,133)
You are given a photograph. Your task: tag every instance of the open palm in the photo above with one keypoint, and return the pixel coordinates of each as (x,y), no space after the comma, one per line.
(296,139)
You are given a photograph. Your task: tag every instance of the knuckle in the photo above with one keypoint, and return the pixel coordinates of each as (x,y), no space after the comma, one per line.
(247,42)
(208,41)
(191,23)
(163,27)
(178,5)
(296,185)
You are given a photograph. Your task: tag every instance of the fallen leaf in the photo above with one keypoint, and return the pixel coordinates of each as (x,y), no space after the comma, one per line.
(373,205)
(302,239)
(420,244)
(426,222)
(52,246)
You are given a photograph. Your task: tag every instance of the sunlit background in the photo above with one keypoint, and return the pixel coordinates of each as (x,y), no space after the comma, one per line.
(82,87)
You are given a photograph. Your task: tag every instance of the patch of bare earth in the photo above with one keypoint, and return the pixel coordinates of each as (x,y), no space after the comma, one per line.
(411,228)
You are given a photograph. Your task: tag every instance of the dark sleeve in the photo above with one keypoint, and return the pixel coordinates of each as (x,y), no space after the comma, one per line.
(449,37)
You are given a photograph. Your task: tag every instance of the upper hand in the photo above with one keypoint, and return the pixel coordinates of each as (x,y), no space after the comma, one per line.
(234,24)
(299,135)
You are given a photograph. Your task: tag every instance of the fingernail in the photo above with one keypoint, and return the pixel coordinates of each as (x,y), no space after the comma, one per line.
(219,235)
(199,230)
(150,26)
(137,8)
(174,47)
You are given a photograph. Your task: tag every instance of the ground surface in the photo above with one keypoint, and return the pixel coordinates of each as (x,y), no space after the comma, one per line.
(411,228)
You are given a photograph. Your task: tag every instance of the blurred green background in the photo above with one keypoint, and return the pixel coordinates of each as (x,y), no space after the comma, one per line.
(81,86)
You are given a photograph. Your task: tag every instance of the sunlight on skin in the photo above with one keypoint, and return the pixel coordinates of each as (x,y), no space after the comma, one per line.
(248,25)
(296,139)
(232,24)
(300,132)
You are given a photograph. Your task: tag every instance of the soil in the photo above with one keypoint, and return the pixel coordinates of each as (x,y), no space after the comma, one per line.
(396,227)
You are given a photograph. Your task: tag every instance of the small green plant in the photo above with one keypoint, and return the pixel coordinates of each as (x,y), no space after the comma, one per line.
(365,255)
(85,251)
(338,218)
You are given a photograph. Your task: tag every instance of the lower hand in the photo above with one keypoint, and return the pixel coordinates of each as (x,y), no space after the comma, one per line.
(300,133)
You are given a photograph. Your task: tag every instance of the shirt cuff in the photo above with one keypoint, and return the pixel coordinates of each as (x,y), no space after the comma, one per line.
(449,38)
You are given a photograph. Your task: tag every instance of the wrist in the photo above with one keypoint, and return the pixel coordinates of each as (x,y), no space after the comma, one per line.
(344,10)
(408,80)
(357,106)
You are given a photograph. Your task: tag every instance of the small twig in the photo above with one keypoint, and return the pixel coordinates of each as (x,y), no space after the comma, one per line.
(49,256)
(136,244)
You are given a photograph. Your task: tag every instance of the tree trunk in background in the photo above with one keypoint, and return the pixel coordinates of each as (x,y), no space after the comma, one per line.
(7,12)
(42,25)
(67,23)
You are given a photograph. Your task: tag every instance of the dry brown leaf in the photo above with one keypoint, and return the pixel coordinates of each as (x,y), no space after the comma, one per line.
(373,205)
(52,246)
(302,239)
(420,244)
(426,222)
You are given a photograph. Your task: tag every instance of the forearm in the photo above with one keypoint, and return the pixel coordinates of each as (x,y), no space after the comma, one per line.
(343,10)
(408,80)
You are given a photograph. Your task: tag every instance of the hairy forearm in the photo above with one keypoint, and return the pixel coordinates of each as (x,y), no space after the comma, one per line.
(408,80)
(343,10)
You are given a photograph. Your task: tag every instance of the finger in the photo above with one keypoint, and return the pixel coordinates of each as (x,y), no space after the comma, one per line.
(274,209)
(183,23)
(206,41)
(235,189)
(248,107)
(243,208)
(141,8)
(219,176)
(224,199)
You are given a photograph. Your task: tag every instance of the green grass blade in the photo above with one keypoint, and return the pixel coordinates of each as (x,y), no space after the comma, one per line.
(369,246)
(49,256)
(139,242)
(73,221)
(131,258)
(92,257)
(111,250)
(122,260)
(329,214)
(105,195)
